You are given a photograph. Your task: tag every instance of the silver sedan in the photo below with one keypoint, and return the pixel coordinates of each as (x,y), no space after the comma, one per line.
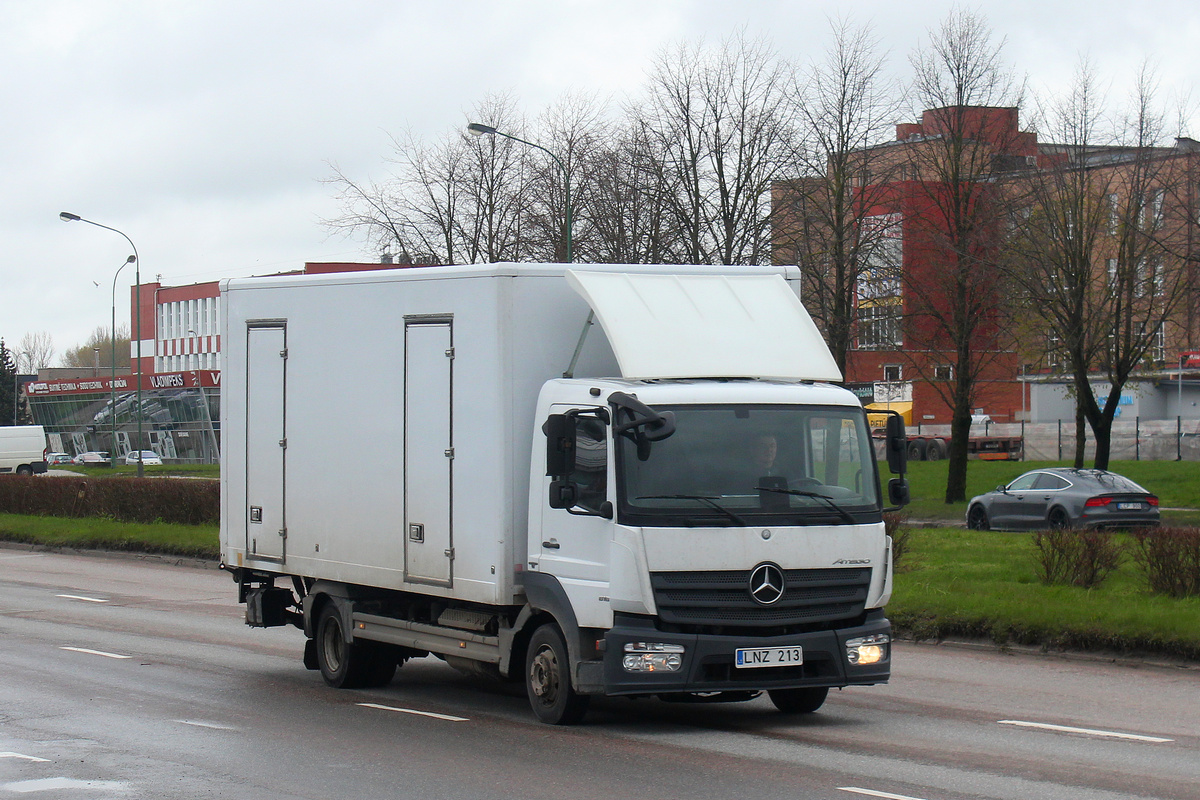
(1060,497)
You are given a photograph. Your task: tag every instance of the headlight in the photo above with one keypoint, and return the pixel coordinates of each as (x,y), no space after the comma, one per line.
(652,657)
(868,649)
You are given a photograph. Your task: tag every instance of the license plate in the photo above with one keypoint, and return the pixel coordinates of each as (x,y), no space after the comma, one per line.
(767,657)
(1129,506)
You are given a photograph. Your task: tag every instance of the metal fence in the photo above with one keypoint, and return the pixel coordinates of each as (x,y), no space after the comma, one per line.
(1132,440)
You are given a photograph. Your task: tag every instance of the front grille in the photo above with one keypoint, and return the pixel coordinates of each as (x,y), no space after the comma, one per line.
(723,598)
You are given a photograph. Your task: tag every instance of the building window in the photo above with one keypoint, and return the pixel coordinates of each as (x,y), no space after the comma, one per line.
(892,373)
(1114,214)
(943,372)
(878,298)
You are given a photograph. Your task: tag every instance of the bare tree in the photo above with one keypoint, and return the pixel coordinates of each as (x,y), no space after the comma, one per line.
(1148,272)
(36,351)
(846,107)
(717,118)
(956,305)
(1058,232)
(459,200)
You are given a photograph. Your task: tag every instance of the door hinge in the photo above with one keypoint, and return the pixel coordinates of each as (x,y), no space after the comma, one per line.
(283,533)
(283,353)
(283,443)
(450,453)
(450,554)
(450,354)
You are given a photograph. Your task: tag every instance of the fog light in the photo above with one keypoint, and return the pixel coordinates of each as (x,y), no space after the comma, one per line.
(652,657)
(868,649)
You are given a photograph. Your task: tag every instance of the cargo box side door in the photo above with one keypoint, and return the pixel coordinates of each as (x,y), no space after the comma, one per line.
(428,450)
(266,440)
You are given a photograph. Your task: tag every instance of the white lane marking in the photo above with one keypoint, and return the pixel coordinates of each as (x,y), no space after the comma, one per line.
(873,793)
(1085,731)
(446,717)
(94,652)
(25,757)
(50,784)
(81,597)
(199,724)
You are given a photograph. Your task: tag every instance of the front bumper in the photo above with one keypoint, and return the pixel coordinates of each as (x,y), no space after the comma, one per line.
(708,660)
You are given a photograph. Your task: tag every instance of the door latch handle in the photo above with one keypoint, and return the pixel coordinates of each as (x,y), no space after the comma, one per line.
(550,545)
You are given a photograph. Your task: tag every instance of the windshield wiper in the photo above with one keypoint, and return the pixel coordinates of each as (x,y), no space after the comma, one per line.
(843,513)
(711,502)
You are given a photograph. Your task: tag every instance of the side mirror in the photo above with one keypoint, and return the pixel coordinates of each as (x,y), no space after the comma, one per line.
(560,446)
(897,444)
(898,492)
(563,494)
(1002,488)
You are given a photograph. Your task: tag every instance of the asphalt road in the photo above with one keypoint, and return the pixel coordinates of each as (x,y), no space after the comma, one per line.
(129,678)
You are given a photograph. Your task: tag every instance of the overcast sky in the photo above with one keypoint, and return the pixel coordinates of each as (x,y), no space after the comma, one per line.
(202,129)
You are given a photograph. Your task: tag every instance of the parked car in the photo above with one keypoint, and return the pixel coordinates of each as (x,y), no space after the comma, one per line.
(1060,497)
(91,457)
(148,457)
(57,458)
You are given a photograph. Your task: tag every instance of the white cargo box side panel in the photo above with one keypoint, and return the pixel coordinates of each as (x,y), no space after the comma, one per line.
(345,456)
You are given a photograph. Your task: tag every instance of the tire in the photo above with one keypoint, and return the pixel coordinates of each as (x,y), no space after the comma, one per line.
(548,679)
(24,469)
(977,518)
(345,665)
(916,450)
(1058,519)
(799,701)
(935,450)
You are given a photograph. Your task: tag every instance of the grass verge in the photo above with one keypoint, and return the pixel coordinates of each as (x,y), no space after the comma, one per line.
(981,584)
(93,533)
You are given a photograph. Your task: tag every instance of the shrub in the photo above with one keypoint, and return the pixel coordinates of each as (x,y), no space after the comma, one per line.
(896,526)
(1076,557)
(1170,557)
(178,500)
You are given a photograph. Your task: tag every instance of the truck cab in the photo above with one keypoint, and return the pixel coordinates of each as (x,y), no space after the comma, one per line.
(710,536)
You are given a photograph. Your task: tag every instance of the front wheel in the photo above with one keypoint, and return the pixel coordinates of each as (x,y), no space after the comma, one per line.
(548,679)
(799,701)
(977,518)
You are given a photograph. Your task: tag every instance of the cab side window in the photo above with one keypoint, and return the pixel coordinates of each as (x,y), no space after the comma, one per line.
(591,463)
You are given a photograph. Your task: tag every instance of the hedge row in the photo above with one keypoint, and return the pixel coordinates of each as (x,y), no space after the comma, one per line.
(177,500)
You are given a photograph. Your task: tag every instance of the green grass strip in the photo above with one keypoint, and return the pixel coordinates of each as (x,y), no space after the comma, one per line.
(979,584)
(92,533)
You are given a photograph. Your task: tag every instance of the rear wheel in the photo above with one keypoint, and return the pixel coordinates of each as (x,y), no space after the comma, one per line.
(799,701)
(934,451)
(349,665)
(977,518)
(1058,518)
(916,450)
(24,469)
(548,679)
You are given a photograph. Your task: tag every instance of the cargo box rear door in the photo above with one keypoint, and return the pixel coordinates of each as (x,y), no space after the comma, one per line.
(266,440)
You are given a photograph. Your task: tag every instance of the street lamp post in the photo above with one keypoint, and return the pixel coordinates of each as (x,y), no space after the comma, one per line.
(112,386)
(67,216)
(479,129)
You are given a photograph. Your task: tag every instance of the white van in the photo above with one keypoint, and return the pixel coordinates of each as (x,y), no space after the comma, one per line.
(22,449)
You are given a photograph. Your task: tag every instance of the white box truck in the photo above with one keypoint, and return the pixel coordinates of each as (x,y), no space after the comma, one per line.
(22,450)
(458,461)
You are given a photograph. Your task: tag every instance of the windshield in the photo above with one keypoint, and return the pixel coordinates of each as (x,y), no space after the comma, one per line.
(752,465)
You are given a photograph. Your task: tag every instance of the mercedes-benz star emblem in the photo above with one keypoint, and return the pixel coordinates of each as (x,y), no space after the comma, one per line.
(766,583)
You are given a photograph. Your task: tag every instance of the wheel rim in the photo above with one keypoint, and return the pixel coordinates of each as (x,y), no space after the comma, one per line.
(543,675)
(977,518)
(332,645)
